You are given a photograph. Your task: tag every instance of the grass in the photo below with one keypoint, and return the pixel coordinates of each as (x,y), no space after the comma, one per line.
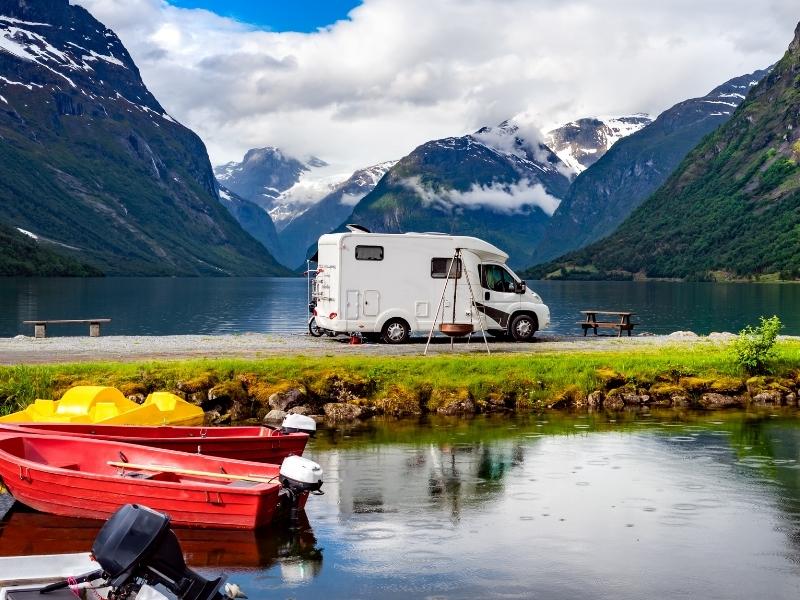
(534,378)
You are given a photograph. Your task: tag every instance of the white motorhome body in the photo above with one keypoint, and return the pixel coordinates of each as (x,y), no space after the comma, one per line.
(392,284)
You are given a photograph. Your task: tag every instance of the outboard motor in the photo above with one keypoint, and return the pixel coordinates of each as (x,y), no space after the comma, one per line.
(299,477)
(136,547)
(299,423)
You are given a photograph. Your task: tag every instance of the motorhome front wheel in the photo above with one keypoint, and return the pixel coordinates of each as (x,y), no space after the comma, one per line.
(523,327)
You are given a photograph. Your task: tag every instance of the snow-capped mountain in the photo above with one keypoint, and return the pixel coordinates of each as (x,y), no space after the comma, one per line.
(604,195)
(281,184)
(581,143)
(500,183)
(306,227)
(94,166)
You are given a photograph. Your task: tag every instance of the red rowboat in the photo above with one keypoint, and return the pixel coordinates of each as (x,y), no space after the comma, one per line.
(259,444)
(80,477)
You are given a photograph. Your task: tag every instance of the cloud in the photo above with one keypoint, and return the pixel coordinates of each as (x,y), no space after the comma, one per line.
(499,197)
(399,73)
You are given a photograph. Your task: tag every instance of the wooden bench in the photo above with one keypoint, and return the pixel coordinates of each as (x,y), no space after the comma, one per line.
(40,327)
(623,323)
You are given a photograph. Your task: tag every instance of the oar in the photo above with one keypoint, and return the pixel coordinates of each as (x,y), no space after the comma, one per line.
(179,471)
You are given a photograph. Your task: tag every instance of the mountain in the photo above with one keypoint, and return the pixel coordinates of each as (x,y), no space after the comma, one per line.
(253,219)
(730,210)
(581,143)
(23,253)
(92,162)
(601,197)
(281,184)
(304,230)
(494,184)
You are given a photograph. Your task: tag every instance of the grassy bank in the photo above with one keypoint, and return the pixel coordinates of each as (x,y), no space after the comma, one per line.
(409,385)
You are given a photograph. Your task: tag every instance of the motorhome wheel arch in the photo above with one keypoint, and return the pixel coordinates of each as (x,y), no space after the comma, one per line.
(392,284)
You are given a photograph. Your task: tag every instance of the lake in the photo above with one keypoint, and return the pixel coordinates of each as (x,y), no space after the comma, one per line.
(555,506)
(161,306)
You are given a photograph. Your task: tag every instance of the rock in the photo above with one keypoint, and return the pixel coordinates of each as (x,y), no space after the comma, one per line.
(791,399)
(625,396)
(683,335)
(202,382)
(275,416)
(287,399)
(198,398)
(715,400)
(138,398)
(399,402)
(214,417)
(727,385)
(696,384)
(573,396)
(339,388)
(300,410)
(132,388)
(768,397)
(680,400)
(614,402)
(610,378)
(451,401)
(340,411)
(725,336)
(595,399)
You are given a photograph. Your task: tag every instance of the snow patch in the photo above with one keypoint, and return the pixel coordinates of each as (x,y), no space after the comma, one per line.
(3,99)
(28,233)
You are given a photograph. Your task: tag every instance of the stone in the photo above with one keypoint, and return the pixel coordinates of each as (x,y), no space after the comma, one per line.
(683,335)
(215,417)
(696,384)
(680,400)
(791,399)
(202,382)
(275,416)
(287,399)
(341,411)
(614,402)
(595,399)
(715,400)
(138,398)
(300,410)
(231,395)
(399,402)
(727,385)
(768,397)
(724,336)
(198,398)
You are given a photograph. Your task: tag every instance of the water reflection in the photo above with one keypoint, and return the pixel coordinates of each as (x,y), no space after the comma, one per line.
(25,532)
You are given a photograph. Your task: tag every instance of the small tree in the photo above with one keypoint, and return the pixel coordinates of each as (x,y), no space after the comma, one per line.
(755,345)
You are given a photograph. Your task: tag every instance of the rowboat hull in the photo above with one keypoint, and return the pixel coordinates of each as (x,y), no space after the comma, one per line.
(258,444)
(71,477)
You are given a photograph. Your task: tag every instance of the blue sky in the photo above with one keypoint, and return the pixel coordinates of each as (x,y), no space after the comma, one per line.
(278,15)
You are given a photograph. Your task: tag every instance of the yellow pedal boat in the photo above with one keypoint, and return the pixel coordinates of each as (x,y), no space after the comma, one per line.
(107,406)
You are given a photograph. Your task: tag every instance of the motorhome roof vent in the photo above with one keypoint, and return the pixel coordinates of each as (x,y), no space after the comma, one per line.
(357,228)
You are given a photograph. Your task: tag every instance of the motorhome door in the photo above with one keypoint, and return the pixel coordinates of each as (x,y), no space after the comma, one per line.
(498,298)
(351,310)
(371,303)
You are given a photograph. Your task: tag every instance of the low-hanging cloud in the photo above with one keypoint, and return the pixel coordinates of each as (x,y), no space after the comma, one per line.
(508,198)
(396,74)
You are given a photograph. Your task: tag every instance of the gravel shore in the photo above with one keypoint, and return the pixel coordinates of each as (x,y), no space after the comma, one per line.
(27,350)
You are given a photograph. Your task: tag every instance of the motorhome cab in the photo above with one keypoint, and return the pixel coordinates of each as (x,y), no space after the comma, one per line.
(392,285)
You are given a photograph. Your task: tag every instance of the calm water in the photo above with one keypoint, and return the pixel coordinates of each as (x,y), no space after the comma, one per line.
(556,507)
(160,306)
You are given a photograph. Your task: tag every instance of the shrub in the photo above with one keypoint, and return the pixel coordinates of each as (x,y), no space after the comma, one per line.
(755,345)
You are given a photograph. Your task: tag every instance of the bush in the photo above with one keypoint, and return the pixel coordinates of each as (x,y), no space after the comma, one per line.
(755,345)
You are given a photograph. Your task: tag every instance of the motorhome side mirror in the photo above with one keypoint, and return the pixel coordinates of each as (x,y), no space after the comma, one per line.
(521,287)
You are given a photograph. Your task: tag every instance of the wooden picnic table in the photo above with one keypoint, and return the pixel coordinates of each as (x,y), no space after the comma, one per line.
(622,323)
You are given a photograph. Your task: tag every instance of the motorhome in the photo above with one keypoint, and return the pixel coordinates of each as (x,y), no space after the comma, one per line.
(394,285)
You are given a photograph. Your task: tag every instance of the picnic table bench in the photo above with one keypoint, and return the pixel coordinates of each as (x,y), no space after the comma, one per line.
(622,323)
(40,326)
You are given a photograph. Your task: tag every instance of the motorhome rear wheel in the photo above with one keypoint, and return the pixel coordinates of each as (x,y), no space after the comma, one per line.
(396,331)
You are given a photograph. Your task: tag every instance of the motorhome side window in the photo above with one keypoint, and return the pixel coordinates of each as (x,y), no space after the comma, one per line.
(369,252)
(441,266)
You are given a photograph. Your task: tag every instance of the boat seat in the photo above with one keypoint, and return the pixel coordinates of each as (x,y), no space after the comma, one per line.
(243,484)
(157,476)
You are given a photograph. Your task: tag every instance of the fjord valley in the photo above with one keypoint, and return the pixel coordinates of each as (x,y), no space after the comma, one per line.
(730,208)
(93,169)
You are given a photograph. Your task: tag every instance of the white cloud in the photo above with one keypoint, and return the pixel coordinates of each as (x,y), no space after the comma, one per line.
(401,72)
(499,197)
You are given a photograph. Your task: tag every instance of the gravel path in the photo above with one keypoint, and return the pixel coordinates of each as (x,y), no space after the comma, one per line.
(27,350)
